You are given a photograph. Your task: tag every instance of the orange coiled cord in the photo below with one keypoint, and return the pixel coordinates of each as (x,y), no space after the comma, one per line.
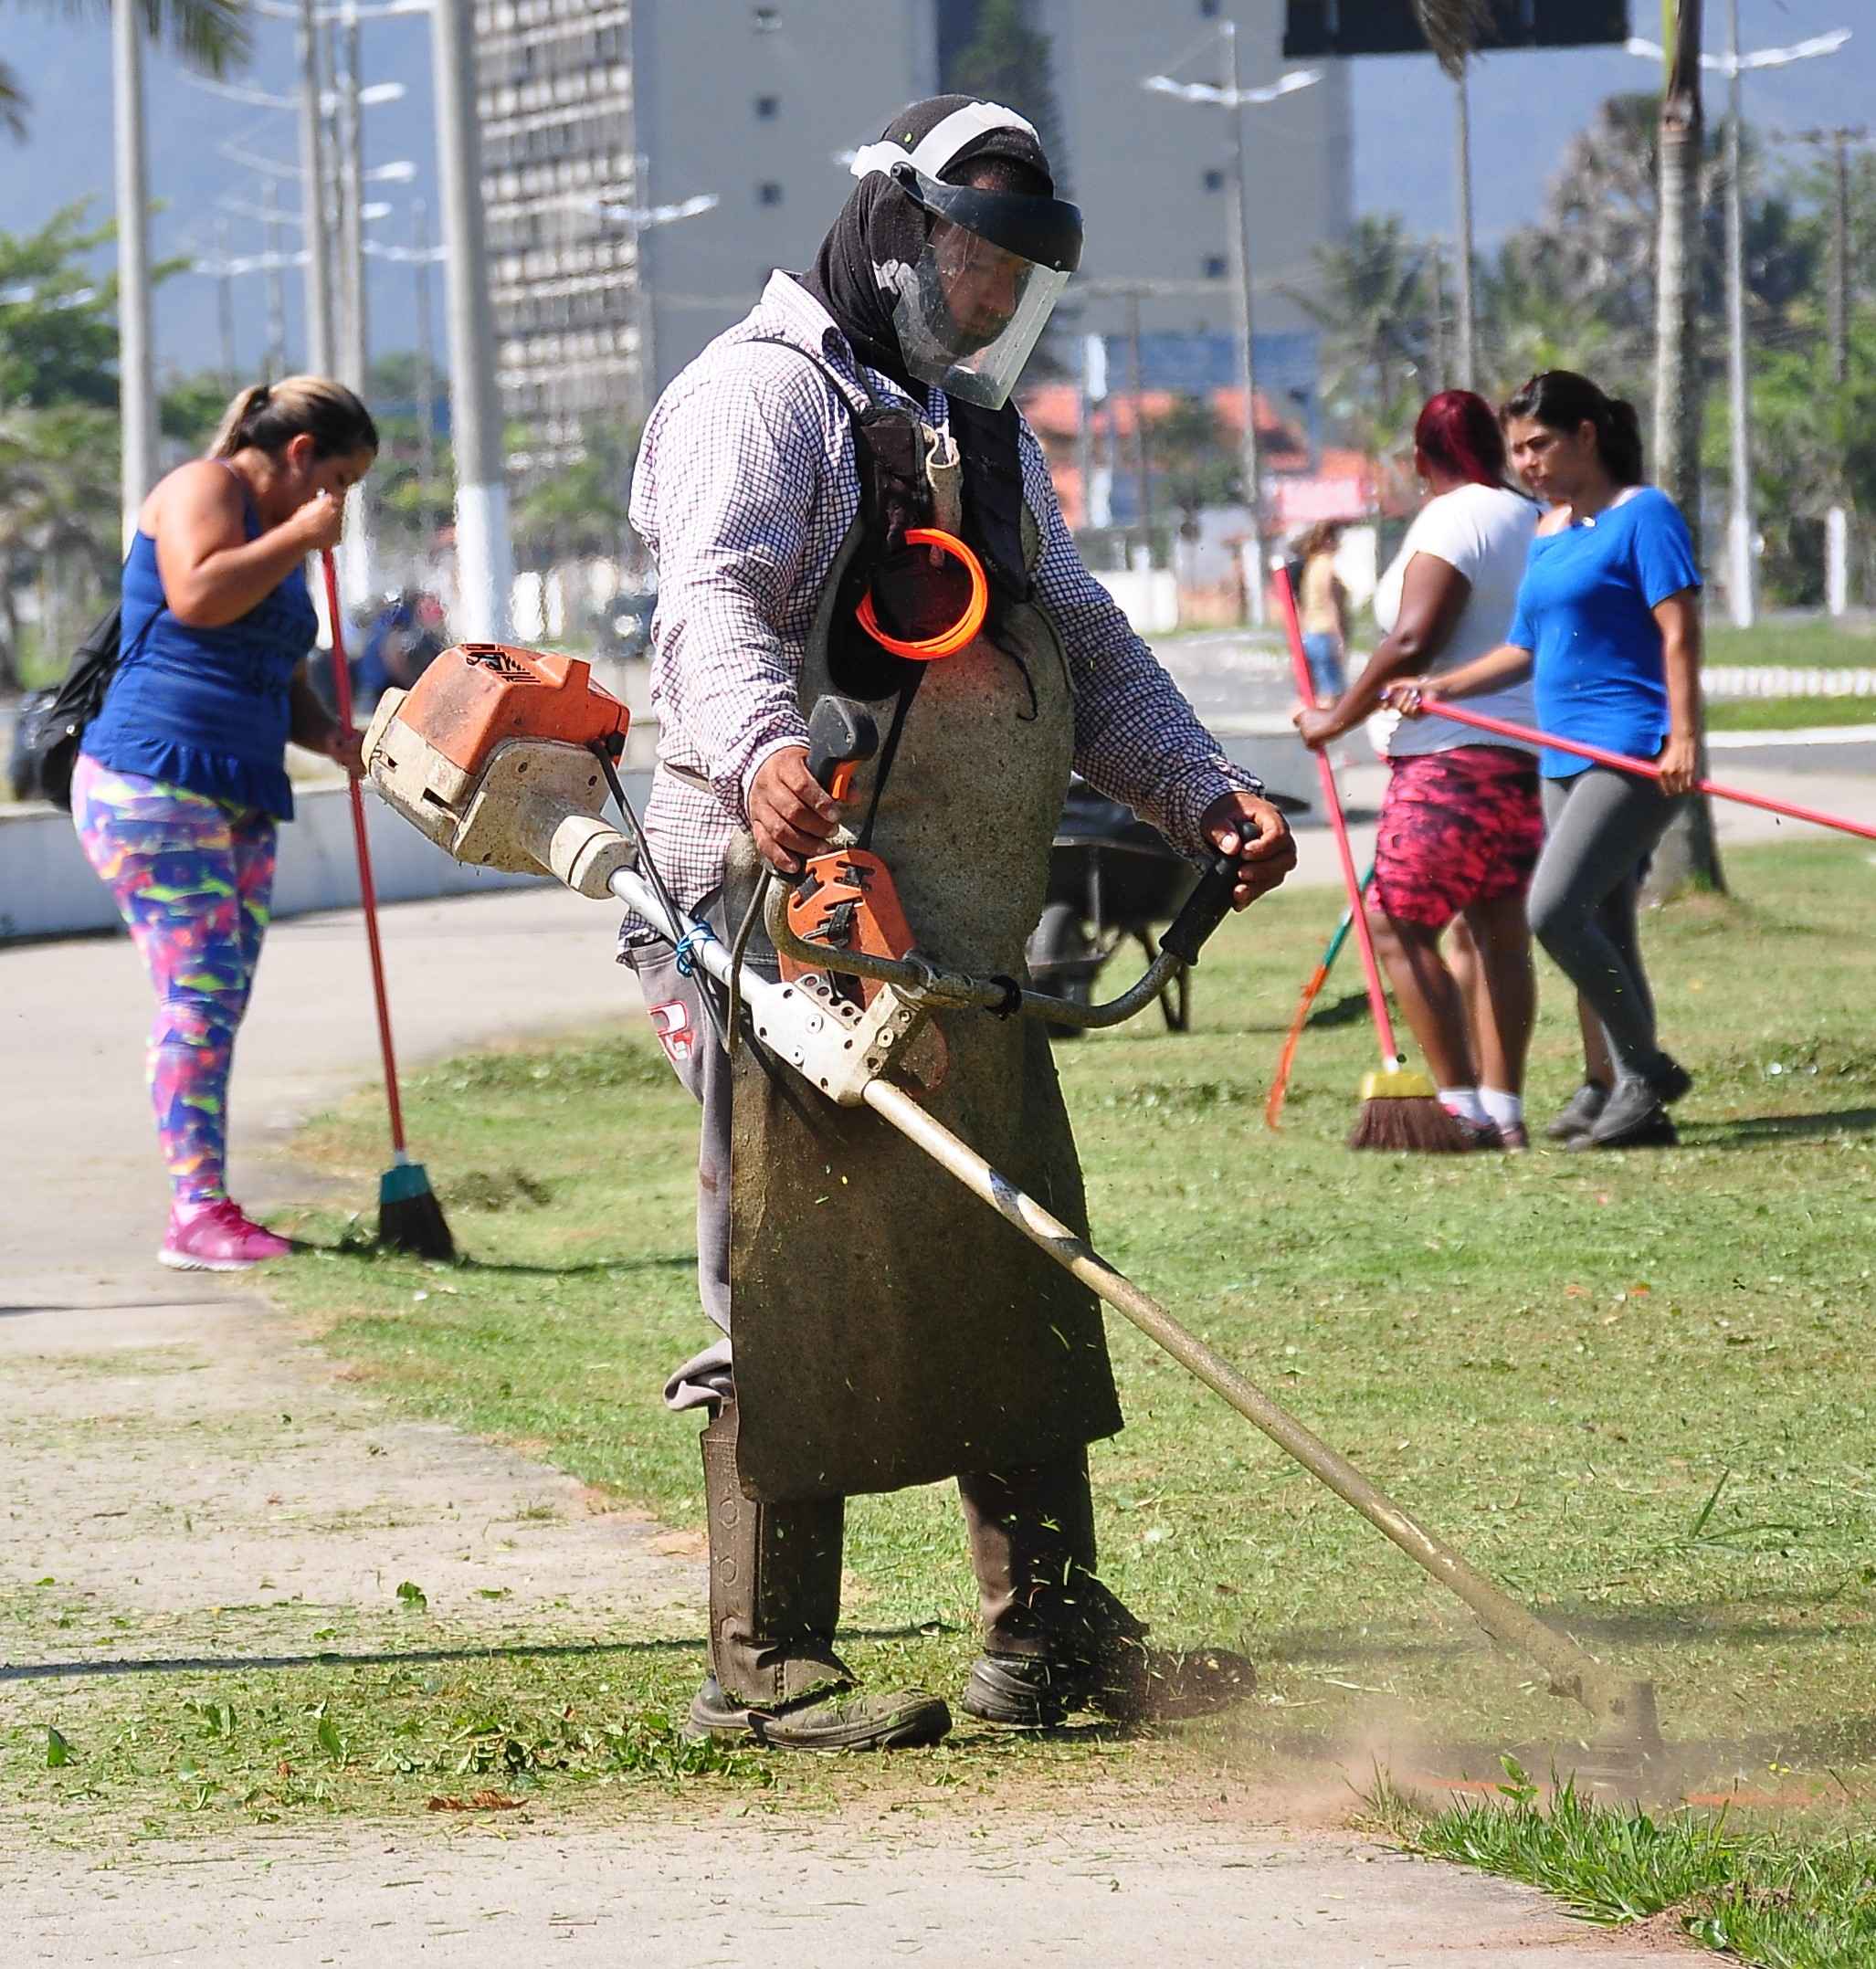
(963,630)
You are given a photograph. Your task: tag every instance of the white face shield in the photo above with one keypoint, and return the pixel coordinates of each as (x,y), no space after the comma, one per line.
(971,308)
(970,312)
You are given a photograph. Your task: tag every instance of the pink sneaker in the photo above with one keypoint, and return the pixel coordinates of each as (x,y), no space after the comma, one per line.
(218,1238)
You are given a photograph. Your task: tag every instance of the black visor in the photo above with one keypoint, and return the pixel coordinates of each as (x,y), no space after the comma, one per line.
(1047,231)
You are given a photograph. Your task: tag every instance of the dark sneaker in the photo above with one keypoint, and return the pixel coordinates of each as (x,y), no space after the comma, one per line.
(1513,1137)
(1580,1111)
(1632,1118)
(1474,1135)
(841,1718)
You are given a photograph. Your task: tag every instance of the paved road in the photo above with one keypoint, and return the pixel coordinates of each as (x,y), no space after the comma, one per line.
(940,1885)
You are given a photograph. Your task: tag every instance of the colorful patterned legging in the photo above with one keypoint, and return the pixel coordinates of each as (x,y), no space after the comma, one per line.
(192,878)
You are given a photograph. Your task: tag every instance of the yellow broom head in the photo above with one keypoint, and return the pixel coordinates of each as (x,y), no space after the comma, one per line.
(1397,1083)
(1401,1111)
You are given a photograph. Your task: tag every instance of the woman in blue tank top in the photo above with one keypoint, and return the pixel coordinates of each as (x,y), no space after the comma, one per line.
(182,777)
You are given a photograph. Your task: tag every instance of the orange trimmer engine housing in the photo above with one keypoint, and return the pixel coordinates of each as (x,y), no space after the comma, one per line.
(847,900)
(478,696)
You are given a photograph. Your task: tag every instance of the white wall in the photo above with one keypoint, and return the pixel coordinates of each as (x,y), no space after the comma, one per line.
(1148,597)
(48,889)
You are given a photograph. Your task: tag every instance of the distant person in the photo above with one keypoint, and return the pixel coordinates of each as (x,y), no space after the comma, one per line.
(181,776)
(1608,624)
(1461,821)
(1322,608)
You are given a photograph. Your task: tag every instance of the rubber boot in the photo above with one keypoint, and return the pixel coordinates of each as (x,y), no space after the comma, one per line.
(1055,1638)
(1047,1620)
(774,1601)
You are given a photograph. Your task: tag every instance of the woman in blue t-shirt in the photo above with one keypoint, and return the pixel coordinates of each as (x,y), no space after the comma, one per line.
(1607,623)
(182,775)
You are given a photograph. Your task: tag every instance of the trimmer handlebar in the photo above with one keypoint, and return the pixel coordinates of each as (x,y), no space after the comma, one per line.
(840,734)
(1205,908)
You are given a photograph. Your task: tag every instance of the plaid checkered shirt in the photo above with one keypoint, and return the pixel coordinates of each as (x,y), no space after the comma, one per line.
(744,490)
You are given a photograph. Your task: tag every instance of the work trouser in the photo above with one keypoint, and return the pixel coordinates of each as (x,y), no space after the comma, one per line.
(675,1005)
(775,1569)
(774,1574)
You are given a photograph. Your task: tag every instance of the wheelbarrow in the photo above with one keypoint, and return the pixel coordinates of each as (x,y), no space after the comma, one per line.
(1114,879)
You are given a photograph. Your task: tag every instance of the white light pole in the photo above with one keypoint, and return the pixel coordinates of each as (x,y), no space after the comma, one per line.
(425,362)
(484,560)
(1741,563)
(275,364)
(1234,99)
(136,364)
(312,202)
(1741,584)
(1467,366)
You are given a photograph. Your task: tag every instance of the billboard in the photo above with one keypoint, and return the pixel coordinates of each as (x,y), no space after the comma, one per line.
(1392,27)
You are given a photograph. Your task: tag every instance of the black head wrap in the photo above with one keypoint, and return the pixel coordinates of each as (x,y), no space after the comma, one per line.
(879,228)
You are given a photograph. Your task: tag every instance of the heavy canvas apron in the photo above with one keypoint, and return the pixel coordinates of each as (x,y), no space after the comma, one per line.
(888,1328)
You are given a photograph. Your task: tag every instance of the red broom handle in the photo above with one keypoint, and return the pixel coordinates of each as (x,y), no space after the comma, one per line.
(1331,802)
(1445,708)
(367,889)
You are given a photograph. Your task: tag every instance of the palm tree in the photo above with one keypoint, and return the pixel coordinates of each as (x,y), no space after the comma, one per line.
(1373,299)
(210,34)
(58,512)
(1453,29)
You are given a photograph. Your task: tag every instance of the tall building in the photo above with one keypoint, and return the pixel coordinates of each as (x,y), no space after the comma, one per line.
(598,116)
(757,104)
(595,113)
(559,164)
(1151,170)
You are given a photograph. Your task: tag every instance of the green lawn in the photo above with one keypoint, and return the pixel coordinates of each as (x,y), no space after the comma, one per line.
(1809,642)
(1634,1388)
(1787,714)
(1757,1892)
(1556,1358)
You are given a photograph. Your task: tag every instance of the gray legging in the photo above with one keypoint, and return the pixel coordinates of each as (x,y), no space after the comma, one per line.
(1600,827)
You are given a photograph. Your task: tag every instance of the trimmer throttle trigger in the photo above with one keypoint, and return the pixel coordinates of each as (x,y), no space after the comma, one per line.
(1205,908)
(840,734)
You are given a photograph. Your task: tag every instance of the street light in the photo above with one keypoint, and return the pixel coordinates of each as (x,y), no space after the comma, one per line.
(640,220)
(1233,100)
(376,209)
(328,17)
(370,97)
(1741,571)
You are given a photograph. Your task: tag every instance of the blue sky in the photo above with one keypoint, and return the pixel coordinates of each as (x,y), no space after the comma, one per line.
(1525,108)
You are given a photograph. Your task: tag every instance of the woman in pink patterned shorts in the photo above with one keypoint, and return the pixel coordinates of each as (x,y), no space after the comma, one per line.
(1460,823)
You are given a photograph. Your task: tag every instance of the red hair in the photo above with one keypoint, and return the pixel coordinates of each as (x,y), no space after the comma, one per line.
(1458,432)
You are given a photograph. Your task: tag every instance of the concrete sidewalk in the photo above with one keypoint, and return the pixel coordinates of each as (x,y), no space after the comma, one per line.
(133,1396)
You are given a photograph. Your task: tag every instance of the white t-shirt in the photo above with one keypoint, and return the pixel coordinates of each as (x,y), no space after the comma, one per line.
(1484,533)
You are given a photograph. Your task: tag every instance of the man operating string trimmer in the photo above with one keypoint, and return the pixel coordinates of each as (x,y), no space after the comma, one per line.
(887,1332)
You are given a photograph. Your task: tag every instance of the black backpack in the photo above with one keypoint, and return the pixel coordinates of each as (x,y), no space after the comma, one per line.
(53,748)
